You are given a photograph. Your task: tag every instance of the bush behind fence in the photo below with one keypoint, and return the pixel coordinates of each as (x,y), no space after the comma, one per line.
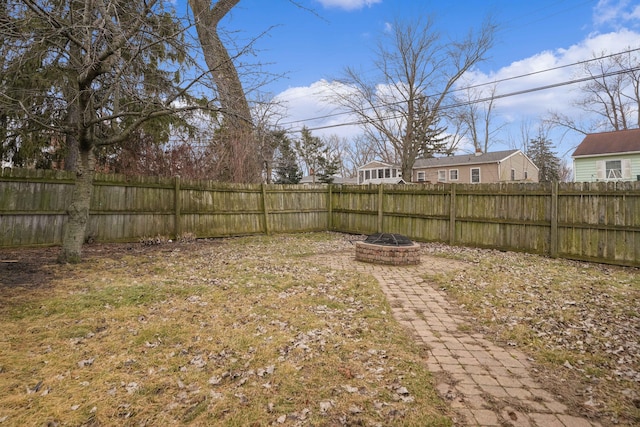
(587,221)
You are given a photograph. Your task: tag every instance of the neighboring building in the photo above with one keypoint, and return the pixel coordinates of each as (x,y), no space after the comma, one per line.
(498,166)
(380,173)
(608,156)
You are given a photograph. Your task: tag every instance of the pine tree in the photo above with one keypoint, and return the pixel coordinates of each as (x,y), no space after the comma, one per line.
(287,170)
(328,167)
(541,154)
(309,149)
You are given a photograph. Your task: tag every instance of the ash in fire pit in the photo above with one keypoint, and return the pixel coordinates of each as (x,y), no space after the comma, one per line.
(387,248)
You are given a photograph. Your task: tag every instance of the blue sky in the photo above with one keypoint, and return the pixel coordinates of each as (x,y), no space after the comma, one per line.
(310,48)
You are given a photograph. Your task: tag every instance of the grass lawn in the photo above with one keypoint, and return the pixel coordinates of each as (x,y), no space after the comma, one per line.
(238,332)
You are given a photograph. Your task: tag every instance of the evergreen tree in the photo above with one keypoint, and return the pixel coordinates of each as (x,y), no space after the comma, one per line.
(309,149)
(541,154)
(287,170)
(82,75)
(328,167)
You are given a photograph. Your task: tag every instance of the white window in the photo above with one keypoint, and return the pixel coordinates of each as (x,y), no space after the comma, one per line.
(420,176)
(453,175)
(513,174)
(442,176)
(613,169)
(393,172)
(475,175)
(387,173)
(360,177)
(367,174)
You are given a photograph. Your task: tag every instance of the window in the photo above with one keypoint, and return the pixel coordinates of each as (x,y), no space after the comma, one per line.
(442,176)
(513,174)
(613,169)
(393,172)
(420,176)
(526,175)
(360,177)
(380,173)
(387,173)
(453,175)
(475,176)
(367,174)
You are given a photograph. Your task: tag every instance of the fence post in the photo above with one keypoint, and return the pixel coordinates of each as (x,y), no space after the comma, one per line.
(265,209)
(452,214)
(380,209)
(177,205)
(330,209)
(553,232)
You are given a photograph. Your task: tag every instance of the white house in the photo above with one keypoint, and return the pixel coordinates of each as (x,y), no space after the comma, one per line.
(380,173)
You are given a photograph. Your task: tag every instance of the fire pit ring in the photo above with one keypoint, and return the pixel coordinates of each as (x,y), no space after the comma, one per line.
(388,249)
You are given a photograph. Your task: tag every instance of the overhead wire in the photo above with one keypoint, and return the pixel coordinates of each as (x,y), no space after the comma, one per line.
(480,100)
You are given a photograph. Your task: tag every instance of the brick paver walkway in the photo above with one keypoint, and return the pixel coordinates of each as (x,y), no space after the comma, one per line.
(486,385)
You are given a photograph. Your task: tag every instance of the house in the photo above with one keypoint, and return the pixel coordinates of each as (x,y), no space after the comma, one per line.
(498,166)
(380,173)
(608,156)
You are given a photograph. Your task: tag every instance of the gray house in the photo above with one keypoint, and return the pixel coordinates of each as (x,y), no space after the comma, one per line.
(498,166)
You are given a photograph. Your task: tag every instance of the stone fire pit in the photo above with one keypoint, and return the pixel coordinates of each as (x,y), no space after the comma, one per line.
(389,249)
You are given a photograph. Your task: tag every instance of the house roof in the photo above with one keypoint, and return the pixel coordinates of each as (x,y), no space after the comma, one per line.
(378,164)
(465,159)
(621,141)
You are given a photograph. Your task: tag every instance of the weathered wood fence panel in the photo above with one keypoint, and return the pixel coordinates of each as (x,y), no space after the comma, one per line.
(355,209)
(505,216)
(292,208)
(33,206)
(422,212)
(125,208)
(600,220)
(586,221)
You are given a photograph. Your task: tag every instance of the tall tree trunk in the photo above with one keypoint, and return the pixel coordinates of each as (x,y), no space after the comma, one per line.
(244,165)
(78,211)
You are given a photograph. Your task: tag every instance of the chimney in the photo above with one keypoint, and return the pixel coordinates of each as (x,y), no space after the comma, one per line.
(478,151)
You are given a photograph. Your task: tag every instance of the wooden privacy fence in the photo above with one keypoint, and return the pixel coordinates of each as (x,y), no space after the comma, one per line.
(587,221)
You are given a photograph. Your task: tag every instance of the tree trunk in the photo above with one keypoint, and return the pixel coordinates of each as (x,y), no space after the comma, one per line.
(78,211)
(244,165)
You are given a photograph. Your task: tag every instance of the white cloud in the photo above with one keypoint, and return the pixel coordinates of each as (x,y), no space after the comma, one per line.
(348,4)
(309,106)
(530,105)
(615,12)
(537,103)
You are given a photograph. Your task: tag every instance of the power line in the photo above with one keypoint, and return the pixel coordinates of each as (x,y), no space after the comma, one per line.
(506,95)
(522,92)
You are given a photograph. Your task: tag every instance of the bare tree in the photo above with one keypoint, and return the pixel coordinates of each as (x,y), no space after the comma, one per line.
(611,94)
(358,153)
(475,116)
(416,71)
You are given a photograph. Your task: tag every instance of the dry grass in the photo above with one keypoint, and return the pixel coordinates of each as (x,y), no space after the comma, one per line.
(238,332)
(579,322)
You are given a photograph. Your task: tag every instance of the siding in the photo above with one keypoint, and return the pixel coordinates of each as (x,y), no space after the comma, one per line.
(585,167)
(489,172)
